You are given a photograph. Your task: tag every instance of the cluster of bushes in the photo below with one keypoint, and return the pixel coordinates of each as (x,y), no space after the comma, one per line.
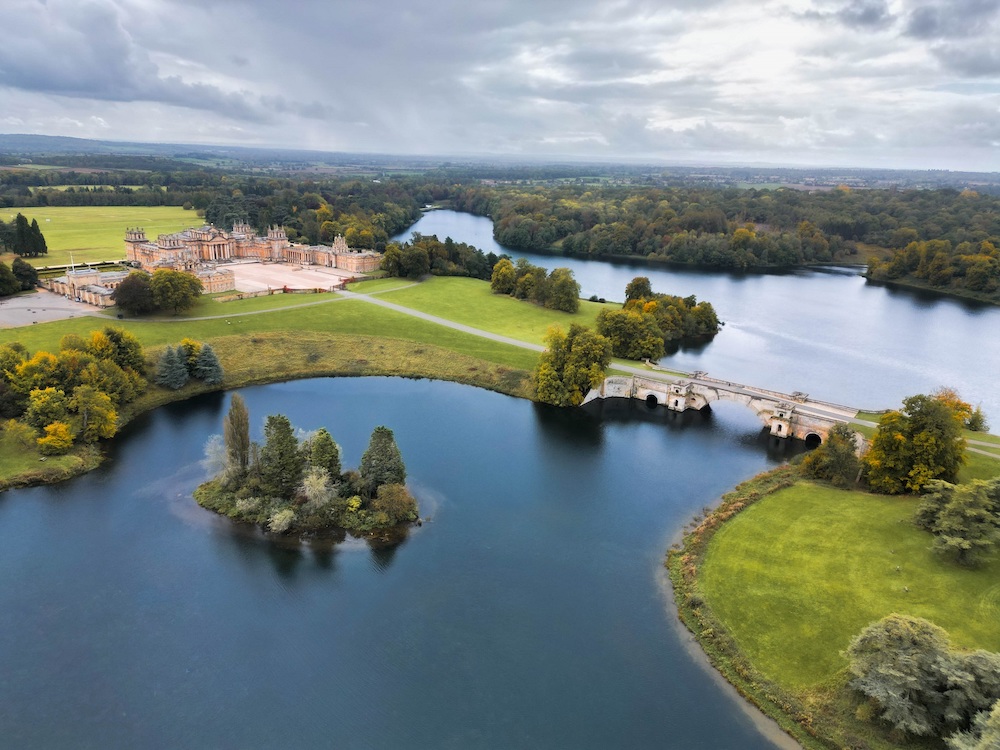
(556,290)
(73,396)
(964,519)
(649,321)
(426,254)
(293,485)
(191,359)
(20,276)
(166,289)
(571,365)
(912,447)
(915,681)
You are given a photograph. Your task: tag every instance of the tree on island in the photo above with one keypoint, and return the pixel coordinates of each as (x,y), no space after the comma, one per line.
(281,463)
(236,435)
(287,486)
(381,463)
(913,446)
(324,454)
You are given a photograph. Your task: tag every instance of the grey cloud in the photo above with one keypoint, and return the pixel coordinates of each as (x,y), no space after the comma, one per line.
(955,19)
(971,61)
(870,15)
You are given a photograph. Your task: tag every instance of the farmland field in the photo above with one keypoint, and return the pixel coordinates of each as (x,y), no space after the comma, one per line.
(95,233)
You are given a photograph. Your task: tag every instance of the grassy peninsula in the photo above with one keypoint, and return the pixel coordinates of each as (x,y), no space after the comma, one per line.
(776,581)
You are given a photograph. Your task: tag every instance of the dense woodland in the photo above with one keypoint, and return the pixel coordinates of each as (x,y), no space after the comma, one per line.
(941,238)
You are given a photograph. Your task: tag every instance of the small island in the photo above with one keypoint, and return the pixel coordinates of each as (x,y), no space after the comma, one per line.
(290,485)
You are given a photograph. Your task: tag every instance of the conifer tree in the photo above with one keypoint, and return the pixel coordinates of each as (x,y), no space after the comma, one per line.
(282,464)
(236,433)
(325,454)
(170,370)
(382,463)
(207,366)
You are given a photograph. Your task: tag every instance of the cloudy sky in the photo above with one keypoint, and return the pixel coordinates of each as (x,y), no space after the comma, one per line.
(908,83)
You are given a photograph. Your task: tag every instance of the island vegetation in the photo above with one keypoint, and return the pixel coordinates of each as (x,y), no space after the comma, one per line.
(296,485)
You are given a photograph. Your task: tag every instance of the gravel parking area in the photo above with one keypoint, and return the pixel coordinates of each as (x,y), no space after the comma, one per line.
(255,277)
(40,307)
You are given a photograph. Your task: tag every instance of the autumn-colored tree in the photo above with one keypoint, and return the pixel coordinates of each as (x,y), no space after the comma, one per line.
(504,277)
(58,438)
(96,417)
(45,406)
(913,446)
(571,365)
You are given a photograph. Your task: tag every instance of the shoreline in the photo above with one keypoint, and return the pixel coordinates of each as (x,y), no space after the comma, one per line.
(764,723)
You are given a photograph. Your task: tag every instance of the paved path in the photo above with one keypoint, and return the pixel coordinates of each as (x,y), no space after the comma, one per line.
(40,307)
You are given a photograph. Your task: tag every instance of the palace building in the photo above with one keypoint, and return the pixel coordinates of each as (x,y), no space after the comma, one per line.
(193,249)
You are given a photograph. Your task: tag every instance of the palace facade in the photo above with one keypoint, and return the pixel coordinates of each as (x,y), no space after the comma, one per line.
(195,248)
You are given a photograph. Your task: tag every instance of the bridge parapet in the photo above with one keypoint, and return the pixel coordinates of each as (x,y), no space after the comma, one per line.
(784,415)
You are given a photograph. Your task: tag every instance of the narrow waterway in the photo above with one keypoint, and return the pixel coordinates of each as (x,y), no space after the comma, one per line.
(828,333)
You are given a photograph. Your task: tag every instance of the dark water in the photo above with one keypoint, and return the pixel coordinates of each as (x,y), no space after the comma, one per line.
(827,333)
(527,613)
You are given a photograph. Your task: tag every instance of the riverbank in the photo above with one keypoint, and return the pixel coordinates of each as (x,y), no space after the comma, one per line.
(765,587)
(922,287)
(269,357)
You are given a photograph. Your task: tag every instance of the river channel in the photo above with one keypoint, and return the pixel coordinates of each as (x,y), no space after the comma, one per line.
(527,613)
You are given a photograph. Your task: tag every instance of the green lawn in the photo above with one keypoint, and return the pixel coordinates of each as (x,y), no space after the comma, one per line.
(347,316)
(208,305)
(377,286)
(470,301)
(796,575)
(98,232)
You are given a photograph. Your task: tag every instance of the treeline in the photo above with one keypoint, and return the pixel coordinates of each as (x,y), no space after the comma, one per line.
(556,290)
(21,238)
(728,227)
(966,267)
(426,254)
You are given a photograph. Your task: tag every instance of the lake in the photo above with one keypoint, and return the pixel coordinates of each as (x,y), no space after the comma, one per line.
(827,332)
(529,612)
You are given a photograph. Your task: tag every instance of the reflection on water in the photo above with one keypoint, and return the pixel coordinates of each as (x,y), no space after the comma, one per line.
(524,614)
(826,331)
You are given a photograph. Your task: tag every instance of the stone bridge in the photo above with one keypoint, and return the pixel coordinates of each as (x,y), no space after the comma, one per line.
(785,415)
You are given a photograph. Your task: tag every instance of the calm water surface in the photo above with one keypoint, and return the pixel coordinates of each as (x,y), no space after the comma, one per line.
(828,333)
(527,613)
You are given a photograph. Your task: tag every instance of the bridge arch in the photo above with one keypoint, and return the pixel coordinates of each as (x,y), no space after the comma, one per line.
(784,415)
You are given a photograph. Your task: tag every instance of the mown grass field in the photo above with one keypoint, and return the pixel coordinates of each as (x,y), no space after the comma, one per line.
(351,317)
(95,233)
(799,573)
(470,301)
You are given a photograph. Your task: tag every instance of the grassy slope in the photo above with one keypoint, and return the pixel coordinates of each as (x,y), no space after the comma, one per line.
(98,232)
(796,575)
(340,317)
(470,301)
